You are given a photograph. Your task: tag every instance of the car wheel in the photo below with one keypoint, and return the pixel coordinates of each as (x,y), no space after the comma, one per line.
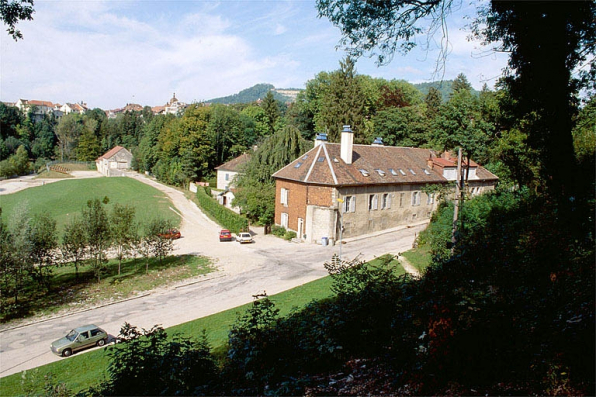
(101,342)
(66,353)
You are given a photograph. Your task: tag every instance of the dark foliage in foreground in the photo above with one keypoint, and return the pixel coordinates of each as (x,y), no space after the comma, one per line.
(512,312)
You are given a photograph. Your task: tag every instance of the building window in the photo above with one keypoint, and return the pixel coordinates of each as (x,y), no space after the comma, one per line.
(284,196)
(349,204)
(401,199)
(415,198)
(227,177)
(284,220)
(373,202)
(430,198)
(386,203)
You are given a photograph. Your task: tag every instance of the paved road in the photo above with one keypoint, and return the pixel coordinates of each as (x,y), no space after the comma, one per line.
(270,264)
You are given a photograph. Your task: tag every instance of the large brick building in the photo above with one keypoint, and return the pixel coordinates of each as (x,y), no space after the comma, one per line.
(364,188)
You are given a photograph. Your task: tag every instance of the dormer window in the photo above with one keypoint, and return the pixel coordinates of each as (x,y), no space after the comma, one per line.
(335,160)
(321,159)
(381,172)
(305,157)
(393,172)
(364,172)
(412,171)
(427,172)
(298,165)
(402,172)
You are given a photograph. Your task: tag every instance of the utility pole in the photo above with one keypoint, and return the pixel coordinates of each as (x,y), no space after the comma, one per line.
(458,189)
(341,224)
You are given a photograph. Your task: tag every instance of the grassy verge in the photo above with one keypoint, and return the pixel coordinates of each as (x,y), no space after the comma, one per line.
(64,199)
(69,292)
(82,371)
(419,257)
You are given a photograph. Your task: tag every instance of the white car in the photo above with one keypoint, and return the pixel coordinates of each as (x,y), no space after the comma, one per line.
(244,238)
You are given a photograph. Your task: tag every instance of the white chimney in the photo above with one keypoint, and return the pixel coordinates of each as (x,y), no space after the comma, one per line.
(347,144)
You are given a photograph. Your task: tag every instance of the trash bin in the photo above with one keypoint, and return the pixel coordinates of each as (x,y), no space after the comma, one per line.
(324,241)
(331,241)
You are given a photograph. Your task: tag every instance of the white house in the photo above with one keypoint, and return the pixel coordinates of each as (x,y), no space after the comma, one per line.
(226,174)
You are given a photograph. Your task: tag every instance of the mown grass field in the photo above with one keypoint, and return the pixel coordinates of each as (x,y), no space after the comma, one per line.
(65,199)
(82,371)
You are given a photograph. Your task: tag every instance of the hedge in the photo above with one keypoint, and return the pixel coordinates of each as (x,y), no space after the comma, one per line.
(227,218)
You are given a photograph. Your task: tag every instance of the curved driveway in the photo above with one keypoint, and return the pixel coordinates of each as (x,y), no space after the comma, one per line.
(271,264)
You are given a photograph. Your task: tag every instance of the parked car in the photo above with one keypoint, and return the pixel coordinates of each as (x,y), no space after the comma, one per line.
(225,235)
(171,234)
(244,238)
(78,339)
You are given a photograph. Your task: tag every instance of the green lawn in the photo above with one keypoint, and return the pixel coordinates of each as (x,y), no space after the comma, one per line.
(64,199)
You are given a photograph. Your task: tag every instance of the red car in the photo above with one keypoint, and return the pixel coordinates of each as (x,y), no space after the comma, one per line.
(225,235)
(171,234)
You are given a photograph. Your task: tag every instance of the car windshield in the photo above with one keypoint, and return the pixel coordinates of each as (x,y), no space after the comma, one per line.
(72,335)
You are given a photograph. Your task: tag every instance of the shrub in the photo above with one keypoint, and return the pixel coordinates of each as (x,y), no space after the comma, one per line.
(290,234)
(224,216)
(278,231)
(147,363)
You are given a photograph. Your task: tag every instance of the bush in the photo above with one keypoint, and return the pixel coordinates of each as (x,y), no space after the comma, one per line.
(147,363)
(278,231)
(289,235)
(224,216)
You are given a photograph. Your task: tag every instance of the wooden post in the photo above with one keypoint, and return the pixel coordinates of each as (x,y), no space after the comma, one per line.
(456,202)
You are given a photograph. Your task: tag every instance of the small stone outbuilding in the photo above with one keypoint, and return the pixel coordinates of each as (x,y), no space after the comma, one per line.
(114,162)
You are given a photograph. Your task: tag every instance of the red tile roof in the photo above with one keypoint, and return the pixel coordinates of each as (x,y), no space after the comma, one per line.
(110,153)
(380,165)
(234,165)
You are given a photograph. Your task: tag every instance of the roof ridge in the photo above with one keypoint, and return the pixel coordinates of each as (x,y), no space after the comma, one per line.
(330,164)
(312,164)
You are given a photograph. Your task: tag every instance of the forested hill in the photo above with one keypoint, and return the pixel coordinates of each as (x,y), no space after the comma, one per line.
(252,94)
(259,91)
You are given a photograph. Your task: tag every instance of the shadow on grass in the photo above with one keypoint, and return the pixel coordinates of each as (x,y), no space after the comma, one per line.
(69,290)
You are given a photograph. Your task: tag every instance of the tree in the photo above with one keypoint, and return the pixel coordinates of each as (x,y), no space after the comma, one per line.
(461,83)
(68,130)
(14,11)
(154,240)
(97,232)
(343,103)
(43,241)
(256,190)
(547,41)
(20,232)
(74,243)
(405,126)
(460,124)
(169,366)
(433,102)
(123,231)
(383,26)
(272,113)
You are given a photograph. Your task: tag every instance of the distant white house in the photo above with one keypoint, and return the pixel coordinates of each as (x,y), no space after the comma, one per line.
(226,178)
(114,162)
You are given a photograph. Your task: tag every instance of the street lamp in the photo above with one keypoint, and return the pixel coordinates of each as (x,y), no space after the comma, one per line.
(341,224)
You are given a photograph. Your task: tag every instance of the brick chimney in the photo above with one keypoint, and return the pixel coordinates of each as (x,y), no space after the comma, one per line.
(347,144)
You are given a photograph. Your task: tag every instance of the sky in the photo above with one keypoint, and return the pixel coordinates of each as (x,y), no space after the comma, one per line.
(108,53)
